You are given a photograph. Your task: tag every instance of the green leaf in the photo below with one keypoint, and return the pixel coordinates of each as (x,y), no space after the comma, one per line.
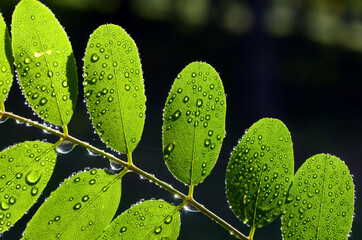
(259,172)
(194,123)
(6,61)
(45,63)
(320,201)
(79,209)
(152,219)
(25,169)
(113,86)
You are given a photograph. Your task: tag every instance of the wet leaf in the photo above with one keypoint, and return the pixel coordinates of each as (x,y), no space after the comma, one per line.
(259,172)
(153,219)
(44,61)
(6,61)
(79,209)
(25,169)
(194,123)
(113,86)
(320,202)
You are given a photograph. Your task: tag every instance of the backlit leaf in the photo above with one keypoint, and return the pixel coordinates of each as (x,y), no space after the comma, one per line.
(113,86)
(194,123)
(6,61)
(259,172)
(79,209)
(45,62)
(320,201)
(25,169)
(153,219)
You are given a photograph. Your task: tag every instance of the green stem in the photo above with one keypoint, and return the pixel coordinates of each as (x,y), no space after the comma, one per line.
(191,191)
(129,166)
(2,108)
(252,232)
(129,158)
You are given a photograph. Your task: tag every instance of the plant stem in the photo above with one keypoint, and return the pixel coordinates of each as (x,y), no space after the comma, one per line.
(129,166)
(252,232)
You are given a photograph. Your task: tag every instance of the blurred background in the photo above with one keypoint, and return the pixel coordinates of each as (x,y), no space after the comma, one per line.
(299,61)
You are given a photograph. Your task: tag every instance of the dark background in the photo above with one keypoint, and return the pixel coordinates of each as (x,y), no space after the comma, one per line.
(299,61)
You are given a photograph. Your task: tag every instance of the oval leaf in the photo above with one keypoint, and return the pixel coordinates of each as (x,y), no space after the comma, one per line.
(113,86)
(194,123)
(79,209)
(45,62)
(320,201)
(153,219)
(6,61)
(259,172)
(25,170)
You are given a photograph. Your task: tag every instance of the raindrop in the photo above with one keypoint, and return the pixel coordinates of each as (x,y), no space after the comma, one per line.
(4,205)
(3,119)
(123,229)
(85,198)
(176,115)
(43,101)
(65,147)
(127,87)
(34,191)
(168,220)
(190,208)
(92,154)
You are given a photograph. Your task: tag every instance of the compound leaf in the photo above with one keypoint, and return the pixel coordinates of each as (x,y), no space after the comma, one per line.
(79,209)
(259,172)
(194,123)
(153,219)
(320,201)
(45,63)
(113,86)
(6,61)
(25,170)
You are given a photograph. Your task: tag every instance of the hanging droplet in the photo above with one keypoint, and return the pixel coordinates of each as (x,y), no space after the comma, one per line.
(65,147)
(115,166)
(3,119)
(92,154)
(190,208)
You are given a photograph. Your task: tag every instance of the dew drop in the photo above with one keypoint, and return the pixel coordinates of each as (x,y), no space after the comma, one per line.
(65,83)
(3,119)
(4,205)
(123,229)
(199,102)
(92,181)
(168,220)
(43,101)
(65,147)
(27,60)
(176,115)
(94,57)
(85,198)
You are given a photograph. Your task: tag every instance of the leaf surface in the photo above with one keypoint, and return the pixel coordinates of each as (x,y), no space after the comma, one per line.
(320,202)
(194,123)
(153,219)
(259,172)
(45,63)
(6,61)
(79,209)
(25,169)
(113,86)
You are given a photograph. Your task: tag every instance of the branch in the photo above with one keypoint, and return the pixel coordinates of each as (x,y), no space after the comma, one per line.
(134,169)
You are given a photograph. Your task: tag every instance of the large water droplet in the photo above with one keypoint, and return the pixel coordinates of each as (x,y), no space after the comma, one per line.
(65,147)
(33,177)
(3,119)
(158,230)
(176,115)
(77,206)
(115,166)
(199,102)
(4,205)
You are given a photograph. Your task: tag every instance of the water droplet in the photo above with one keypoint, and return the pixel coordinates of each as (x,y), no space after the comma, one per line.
(4,205)
(65,83)
(94,57)
(12,200)
(65,147)
(33,177)
(77,206)
(34,191)
(57,218)
(176,115)
(115,166)
(123,229)
(207,142)
(127,87)
(186,99)
(50,74)
(199,102)
(43,101)
(27,60)
(3,69)
(92,181)
(158,230)
(3,119)
(85,198)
